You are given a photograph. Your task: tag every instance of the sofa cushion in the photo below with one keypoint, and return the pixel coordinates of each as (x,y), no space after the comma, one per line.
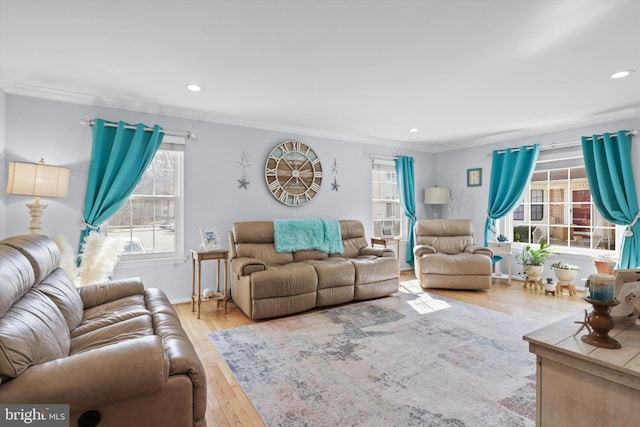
(463,264)
(64,294)
(16,277)
(109,313)
(32,331)
(309,255)
(333,272)
(372,270)
(281,281)
(136,327)
(265,252)
(353,238)
(42,253)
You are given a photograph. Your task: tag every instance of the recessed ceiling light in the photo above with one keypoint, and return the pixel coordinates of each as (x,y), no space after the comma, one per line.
(413,130)
(621,74)
(194,87)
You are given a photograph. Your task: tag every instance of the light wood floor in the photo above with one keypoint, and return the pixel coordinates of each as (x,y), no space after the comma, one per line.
(227,405)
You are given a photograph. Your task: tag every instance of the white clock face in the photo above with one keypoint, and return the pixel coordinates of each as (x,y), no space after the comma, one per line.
(293,173)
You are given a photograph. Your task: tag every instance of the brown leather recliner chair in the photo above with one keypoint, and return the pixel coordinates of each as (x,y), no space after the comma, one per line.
(446,255)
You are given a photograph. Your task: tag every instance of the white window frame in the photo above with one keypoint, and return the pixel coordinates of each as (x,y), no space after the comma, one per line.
(177,144)
(507,223)
(403,219)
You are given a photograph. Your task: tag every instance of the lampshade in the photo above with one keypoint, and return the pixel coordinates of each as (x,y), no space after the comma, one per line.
(436,195)
(37,179)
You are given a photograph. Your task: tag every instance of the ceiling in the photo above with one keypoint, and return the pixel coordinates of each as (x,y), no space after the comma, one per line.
(463,72)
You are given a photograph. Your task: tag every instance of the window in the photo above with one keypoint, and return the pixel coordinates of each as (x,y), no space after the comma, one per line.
(150,221)
(560,209)
(518,213)
(388,218)
(537,208)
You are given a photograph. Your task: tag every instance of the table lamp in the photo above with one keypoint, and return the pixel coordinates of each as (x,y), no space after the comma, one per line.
(436,196)
(39,180)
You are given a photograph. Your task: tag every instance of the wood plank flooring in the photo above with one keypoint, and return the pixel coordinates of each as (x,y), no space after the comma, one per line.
(227,405)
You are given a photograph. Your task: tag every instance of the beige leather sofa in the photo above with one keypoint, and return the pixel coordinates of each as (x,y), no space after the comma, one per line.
(265,283)
(115,352)
(446,255)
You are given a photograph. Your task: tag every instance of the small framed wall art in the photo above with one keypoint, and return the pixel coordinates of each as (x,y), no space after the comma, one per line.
(474,177)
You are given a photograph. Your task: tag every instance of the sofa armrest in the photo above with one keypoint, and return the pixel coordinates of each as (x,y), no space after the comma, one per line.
(480,250)
(244,266)
(93,378)
(382,252)
(420,250)
(101,293)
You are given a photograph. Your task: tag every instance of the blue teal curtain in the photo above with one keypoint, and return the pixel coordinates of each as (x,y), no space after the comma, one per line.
(406,190)
(119,156)
(511,171)
(607,159)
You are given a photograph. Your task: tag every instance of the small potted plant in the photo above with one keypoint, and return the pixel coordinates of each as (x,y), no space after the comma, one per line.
(604,264)
(549,286)
(532,260)
(565,272)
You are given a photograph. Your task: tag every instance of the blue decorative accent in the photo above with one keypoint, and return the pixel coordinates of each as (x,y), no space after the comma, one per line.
(511,171)
(406,190)
(607,159)
(291,235)
(119,157)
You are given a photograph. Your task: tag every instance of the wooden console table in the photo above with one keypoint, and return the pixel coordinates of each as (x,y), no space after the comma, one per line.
(198,257)
(384,241)
(582,385)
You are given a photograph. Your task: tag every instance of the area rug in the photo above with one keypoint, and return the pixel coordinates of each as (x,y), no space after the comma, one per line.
(409,360)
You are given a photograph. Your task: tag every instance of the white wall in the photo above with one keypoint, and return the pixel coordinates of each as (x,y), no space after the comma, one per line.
(38,128)
(3,162)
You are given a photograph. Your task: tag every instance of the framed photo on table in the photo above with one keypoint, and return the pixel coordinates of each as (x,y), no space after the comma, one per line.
(210,239)
(474,177)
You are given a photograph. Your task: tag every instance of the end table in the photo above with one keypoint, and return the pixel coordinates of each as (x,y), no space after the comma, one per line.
(199,256)
(384,241)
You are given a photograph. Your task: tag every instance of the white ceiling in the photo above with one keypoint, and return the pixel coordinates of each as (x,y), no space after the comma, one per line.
(464,72)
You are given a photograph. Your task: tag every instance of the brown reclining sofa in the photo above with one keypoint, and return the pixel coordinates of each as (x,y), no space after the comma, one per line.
(115,352)
(266,283)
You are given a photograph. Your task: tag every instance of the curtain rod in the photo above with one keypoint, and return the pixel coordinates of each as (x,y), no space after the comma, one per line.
(188,134)
(554,146)
(382,157)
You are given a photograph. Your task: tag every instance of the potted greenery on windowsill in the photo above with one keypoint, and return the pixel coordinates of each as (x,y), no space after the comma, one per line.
(565,272)
(532,260)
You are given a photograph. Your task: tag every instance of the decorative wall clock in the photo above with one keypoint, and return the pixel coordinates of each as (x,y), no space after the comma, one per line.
(293,173)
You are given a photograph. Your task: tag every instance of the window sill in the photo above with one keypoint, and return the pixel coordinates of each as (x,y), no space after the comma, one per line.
(150,262)
(517,247)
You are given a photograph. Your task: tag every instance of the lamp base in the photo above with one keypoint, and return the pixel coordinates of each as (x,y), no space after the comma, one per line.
(35,210)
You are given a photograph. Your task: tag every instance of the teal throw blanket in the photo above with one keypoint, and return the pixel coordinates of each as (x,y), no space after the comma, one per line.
(291,235)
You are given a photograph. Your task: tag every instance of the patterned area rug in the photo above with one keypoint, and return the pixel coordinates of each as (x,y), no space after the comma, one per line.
(410,360)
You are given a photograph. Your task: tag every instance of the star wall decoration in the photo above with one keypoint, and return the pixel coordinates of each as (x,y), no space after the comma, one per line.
(243,162)
(334,185)
(243,183)
(334,168)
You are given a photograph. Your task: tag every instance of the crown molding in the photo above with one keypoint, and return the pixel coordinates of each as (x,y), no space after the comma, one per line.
(213,117)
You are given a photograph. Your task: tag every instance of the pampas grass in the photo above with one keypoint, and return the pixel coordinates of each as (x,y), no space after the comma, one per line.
(97,262)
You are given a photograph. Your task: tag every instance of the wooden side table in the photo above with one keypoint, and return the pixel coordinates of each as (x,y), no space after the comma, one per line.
(384,241)
(198,257)
(503,249)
